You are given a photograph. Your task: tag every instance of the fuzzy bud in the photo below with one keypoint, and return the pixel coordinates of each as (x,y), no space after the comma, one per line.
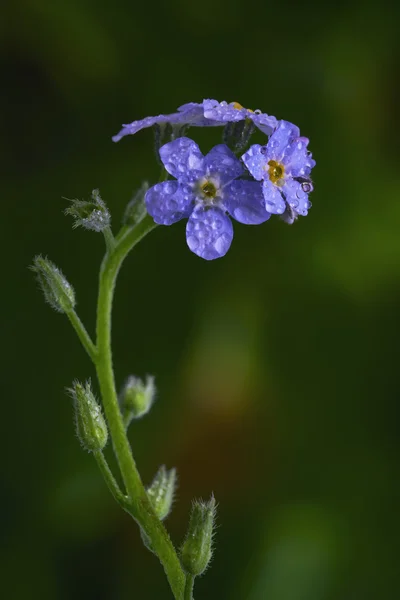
(90,214)
(58,292)
(91,427)
(136,208)
(196,550)
(137,397)
(161,491)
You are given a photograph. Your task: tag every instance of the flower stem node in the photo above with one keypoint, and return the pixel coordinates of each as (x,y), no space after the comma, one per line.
(58,292)
(90,214)
(137,397)
(161,492)
(136,208)
(196,550)
(91,427)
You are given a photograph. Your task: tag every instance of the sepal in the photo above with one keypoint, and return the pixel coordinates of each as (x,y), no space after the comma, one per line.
(136,208)
(90,214)
(58,292)
(237,134)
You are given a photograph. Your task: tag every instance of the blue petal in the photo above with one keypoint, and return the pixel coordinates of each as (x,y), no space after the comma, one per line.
(244,200)
(265,123)
(194,115)
(223,112)
(136,126)
(256,161)
(296,197)
(280,139)
(274,202)
(188,114)
(297,160)
(209,232)
(183,159)
(169,202)
(222,162)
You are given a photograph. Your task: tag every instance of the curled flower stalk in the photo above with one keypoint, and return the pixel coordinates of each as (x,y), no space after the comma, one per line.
(209,191)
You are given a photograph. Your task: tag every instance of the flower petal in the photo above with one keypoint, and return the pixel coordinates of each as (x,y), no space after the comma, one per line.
(297,160)
(183,159)
(244,200)
(222,162)
(282,136)
(188,114)
(169,202)
(256,161)
(296,197)
(209,232)
(136,126)
(274,202)
(223,112)
(265,123)
(194,115)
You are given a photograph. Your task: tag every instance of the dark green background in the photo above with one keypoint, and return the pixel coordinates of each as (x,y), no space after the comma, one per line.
(277,366)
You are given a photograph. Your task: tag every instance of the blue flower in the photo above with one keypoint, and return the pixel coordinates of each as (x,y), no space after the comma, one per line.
(284,165)
(209,113)
(206,190)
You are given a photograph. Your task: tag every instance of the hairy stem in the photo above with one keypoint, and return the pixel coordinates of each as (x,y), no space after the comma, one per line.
(140,506)
(82,334)
(112,485)
(189,585)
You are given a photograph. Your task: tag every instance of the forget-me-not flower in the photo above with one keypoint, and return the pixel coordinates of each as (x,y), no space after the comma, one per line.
(284,165)
(209,113)
(206,191)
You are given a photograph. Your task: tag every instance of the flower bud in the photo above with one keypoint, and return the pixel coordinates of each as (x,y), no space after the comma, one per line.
(91,214)
(137,397)
(136,208)
(91,427)
(56,289)
(196,550)
(161,492)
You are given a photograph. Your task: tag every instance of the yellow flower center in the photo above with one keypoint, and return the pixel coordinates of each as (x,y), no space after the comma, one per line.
(239,106)
(209,189)
(276,172)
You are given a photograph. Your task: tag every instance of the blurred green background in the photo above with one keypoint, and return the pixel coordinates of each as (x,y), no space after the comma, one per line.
(276,366)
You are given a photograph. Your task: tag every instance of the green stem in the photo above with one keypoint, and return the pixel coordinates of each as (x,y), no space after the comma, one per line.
(141,508)
(82,334)
(189,585)
(110,481)
(109,239)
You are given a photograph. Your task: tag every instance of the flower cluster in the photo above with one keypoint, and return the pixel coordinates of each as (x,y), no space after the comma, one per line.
(207,190)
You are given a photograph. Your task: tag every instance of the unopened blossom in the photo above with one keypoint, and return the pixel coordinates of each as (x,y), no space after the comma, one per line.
(284,166)
(207,189)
